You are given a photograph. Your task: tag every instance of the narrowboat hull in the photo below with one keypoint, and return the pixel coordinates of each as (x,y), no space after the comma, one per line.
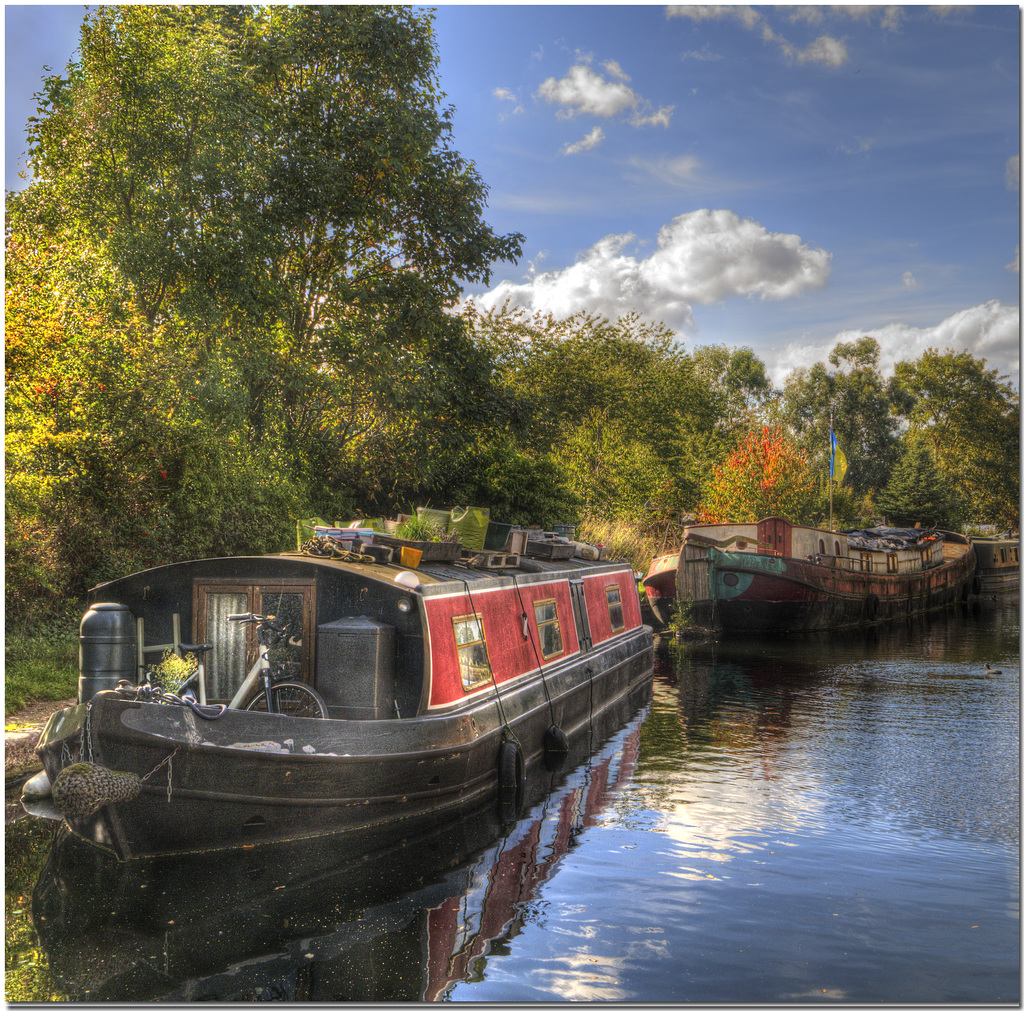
(252,778)
(660,585)
(222,924)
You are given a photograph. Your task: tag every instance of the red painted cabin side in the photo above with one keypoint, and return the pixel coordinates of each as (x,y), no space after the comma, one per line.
(510,654)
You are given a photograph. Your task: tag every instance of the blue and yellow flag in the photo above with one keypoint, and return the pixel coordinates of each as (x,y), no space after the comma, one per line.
(837,465)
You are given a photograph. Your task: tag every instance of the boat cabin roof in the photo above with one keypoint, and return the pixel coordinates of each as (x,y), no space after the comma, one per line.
(431,578)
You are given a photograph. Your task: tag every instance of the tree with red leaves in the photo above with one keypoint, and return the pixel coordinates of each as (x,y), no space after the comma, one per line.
(765,475)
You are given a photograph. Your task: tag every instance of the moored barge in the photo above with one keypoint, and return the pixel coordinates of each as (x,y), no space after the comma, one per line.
(998,565)
(776,576)
(441,684)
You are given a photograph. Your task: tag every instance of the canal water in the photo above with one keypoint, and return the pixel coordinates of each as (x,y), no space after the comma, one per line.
(821,819)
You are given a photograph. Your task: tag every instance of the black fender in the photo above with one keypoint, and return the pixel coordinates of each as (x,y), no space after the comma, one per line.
(511,779)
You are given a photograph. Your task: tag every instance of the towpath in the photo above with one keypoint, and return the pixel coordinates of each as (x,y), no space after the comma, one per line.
(21,734)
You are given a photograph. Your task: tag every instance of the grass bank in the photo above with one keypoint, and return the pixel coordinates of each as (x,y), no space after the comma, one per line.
(41,663)
(623,541)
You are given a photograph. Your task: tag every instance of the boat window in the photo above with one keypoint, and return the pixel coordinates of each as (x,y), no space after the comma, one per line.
(893,563)
(287,609)
(821,546)
(865,561)
(474,665)
(226,665)
(838,549)
(548,627)
(1002,554)
(614,595)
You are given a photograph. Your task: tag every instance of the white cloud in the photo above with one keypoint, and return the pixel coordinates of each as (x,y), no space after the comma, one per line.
(504,95)
(892,18)
(812,15)
(1014,265)
(1013,172)
(863,145)
(948,10)
(909,280)
(701,257)
(704,54)
(990,331)
(615,70)
(824,49)
(660,118)
(702,12)
(591,140)
(679,171)
(584,91)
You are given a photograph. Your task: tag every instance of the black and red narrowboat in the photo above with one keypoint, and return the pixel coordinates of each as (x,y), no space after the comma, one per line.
(441,685)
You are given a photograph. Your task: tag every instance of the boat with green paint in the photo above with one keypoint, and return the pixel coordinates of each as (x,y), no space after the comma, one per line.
(777,576)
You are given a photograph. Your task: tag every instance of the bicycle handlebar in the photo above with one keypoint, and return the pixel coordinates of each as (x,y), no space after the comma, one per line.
(268,631)
(268,619)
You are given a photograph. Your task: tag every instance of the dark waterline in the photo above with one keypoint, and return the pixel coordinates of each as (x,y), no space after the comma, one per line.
(801,820)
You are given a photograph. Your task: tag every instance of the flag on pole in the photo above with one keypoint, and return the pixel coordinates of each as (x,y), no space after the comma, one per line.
(837,465)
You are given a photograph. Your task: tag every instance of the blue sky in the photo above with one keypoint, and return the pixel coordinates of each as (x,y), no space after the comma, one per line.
(779,178)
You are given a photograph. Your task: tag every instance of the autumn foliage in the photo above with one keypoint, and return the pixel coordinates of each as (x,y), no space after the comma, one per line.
(765,475)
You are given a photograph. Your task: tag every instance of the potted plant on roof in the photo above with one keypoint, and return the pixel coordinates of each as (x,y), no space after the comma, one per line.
(423,535)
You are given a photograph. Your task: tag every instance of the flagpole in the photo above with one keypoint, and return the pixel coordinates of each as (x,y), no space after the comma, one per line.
(831,466)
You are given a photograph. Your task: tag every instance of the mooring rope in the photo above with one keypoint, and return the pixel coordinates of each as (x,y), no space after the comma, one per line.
(527,631)
(86,734)
(507,732)
(153,693)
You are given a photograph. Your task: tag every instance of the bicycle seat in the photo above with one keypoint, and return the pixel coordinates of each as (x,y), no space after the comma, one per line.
(195,647)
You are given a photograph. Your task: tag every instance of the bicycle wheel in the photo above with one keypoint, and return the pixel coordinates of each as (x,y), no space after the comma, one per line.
(290,698)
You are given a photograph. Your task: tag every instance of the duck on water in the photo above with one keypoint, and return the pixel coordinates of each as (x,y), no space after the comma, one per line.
(440,685)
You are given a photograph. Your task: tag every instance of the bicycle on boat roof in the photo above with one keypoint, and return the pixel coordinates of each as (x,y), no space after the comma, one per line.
(277,692)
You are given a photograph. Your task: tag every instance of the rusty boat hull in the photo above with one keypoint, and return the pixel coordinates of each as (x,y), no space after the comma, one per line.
(751,584)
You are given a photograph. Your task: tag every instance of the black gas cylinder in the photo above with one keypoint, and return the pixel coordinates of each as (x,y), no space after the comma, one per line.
(106,649)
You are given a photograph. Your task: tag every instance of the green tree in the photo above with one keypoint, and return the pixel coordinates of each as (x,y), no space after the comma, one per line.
(517,485)
(970,417)
(739,383)
(228,283)
(283,178)
(615,402)
(917,492)
(120,452)
(860,404)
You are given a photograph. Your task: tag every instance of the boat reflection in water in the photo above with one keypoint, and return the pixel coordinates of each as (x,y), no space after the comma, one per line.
(302,922)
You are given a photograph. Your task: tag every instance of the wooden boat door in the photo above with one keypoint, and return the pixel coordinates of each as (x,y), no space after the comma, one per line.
(579,610)
(234,645)
(778,533)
